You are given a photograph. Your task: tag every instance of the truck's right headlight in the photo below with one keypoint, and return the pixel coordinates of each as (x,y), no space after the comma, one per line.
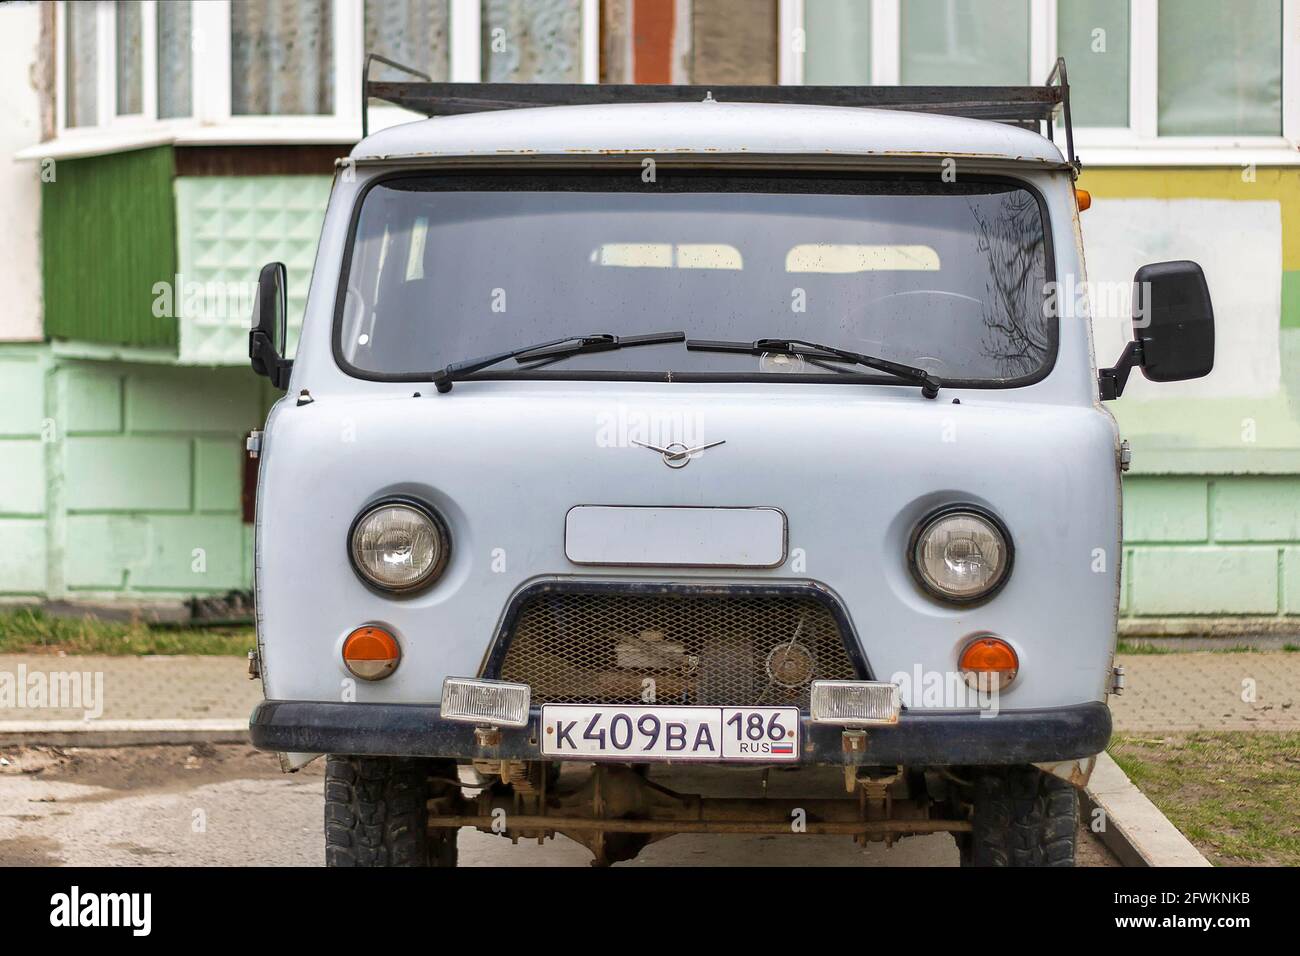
(398,545)
(961,554)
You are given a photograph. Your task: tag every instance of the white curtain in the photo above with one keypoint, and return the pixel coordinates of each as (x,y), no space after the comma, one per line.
(81,105)
(412,32)
(281,57)
(532,41)
(130,59)
(175,64)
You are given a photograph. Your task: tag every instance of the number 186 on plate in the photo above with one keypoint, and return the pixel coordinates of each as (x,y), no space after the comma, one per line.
(643,734)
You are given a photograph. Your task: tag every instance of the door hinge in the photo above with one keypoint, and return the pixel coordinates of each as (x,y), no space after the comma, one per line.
(254,665)
(1125,455)
(1117,680)
(254,443)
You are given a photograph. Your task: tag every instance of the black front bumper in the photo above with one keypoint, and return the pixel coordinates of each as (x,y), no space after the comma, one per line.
(918,739)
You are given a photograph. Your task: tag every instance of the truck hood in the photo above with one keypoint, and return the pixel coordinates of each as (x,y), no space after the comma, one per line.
(852,467)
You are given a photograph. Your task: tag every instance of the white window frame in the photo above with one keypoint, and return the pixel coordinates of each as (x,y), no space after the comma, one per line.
(211,121)
(1139,143)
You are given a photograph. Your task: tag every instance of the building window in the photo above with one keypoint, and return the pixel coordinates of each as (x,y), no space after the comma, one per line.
(964,42)
(1220,68)
(130,58)
(175,60)
(1197,82)
(416,33)
(82,49)
(532,41)
(1093,36)
(281,58)
(837,41)
(289,71)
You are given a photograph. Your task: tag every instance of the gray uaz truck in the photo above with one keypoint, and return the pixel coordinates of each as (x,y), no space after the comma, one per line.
(663,460)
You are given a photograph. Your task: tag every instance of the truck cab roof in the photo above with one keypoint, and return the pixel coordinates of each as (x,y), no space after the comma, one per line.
(708,128)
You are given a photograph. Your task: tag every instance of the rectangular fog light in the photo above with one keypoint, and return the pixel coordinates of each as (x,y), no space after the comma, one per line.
(855,702)
(485,701)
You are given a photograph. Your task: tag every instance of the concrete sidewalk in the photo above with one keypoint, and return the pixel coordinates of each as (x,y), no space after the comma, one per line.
(134,688)
(1166,692)
(1209,690)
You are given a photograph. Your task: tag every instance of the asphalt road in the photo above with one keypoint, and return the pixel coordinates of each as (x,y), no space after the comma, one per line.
(230,805)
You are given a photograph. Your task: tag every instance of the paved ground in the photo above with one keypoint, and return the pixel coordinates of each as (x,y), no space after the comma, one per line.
(1210,690)
(1256,690)
(229,805)
(141,688)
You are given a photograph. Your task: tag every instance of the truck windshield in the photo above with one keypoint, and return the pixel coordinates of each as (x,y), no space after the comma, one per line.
(949,277)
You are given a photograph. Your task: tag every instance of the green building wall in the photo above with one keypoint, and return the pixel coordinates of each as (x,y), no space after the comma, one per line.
(122,479)
(121,438)
(108,234)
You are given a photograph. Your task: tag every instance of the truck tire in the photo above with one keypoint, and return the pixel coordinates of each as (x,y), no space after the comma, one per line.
(1022,817)
(377,813)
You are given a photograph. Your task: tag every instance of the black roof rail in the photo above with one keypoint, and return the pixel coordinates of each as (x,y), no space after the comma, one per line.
(1029,107)
(368,87)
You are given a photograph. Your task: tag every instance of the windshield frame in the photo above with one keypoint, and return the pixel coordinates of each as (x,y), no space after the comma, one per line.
(583,179)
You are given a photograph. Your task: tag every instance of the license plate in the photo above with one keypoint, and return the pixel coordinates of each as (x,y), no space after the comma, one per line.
(644,734)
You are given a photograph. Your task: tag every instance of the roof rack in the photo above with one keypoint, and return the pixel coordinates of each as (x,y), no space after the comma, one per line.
(1035,108)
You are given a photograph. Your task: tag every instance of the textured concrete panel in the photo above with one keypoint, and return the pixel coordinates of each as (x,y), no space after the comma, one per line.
(228,227)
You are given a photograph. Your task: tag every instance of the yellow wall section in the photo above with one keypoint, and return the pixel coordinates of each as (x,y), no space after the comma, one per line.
(1208,435)
(1218,182)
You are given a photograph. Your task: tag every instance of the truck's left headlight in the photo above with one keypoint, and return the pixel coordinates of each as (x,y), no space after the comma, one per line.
(961,554)
(398,545)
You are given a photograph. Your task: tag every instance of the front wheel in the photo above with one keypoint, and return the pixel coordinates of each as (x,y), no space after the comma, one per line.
(1021,817)
(377,812)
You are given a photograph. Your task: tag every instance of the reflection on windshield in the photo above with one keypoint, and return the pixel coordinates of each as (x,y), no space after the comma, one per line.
(1017,336)
(841,257)
(949,277)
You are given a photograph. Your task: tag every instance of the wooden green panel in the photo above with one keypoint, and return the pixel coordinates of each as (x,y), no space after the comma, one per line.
(108,235)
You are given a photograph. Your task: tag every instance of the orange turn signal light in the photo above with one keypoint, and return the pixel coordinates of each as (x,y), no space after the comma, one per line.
(990,655)
(371,653)
(1084,198)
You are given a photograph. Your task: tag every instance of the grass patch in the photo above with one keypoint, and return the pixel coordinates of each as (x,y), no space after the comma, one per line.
(1233,794)
(30,631)
(1127,647)
(1138,646)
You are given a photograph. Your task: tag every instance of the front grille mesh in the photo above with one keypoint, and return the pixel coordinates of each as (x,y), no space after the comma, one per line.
(702,649)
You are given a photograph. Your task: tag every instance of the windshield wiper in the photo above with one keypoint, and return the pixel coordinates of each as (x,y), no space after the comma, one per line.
(551,351)
(813,350)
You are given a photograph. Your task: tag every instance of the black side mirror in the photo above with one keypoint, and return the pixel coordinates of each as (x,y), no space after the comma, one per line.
(1173,328)
(266,339)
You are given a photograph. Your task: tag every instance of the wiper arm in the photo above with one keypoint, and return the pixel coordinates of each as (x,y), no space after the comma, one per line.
(550,351)
(813,350)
